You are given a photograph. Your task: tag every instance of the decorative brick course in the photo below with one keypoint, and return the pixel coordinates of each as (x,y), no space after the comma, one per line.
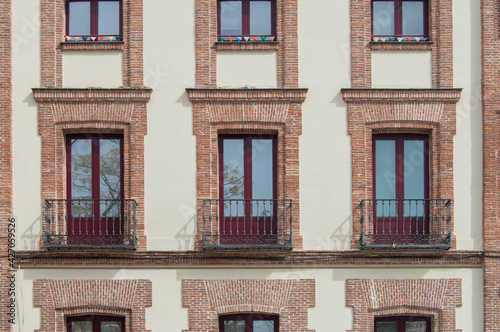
(61,298)
(440,30)
(427,111)
(53,43)
(256,111)
(62,111)
(286,45)
(435,298)
(207,299)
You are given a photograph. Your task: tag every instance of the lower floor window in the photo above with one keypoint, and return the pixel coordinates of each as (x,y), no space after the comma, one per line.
(93,323)
(248,323)
(402,324)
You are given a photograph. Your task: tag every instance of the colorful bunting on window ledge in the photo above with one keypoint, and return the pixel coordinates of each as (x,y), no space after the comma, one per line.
(92,39)
(246,39)
(400,39)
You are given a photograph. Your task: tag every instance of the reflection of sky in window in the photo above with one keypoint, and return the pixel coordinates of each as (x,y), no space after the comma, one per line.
(230,18)
(385,165)
(383,18)
(413,18)
(387,327)
(81,168)
(109,18)
(263,326)
(260,17)
(234,326)
(262,168)
(111,326)
(79,18)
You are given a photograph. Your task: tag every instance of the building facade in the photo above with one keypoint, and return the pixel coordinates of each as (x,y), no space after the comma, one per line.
(279,165)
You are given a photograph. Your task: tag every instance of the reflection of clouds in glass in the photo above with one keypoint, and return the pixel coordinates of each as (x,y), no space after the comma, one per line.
(234,326)
(263,326)
(383,18)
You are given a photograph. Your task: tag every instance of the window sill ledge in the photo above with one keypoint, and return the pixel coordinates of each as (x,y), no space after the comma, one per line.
(427,45)
(92,46)
(251,46)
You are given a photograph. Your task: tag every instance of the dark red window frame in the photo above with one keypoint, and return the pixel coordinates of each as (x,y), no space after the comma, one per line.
(96,320)
(246,18)
(398,17)
(94,17)
(249,320)
(401,321)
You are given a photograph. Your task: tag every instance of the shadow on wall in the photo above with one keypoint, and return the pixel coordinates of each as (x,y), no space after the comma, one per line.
(30,239)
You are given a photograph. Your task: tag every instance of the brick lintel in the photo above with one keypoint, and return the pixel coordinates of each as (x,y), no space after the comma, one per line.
(351,95)
(200,95)
(43,95)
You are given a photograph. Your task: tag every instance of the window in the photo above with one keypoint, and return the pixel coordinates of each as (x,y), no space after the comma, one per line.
(96,324)
(247,18)
(248,323)
(247,187)
(403,324)
(94,188)
(400,194)
(94,20)
(406,19)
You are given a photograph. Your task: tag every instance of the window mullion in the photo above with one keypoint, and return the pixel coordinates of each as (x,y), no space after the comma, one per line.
(94,17)
(245,17)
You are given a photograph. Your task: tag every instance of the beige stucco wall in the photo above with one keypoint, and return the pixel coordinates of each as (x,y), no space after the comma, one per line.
(330,313)
(468,139)
(26,142)
(101,69)
(170,147)
(237,69)
(401,69)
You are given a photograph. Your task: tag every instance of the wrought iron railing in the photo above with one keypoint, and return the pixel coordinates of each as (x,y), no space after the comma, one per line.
(247,223)
(90,223)
(406,223)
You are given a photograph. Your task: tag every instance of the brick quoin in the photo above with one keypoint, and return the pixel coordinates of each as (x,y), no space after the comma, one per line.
(207,299)
(435,298)
(6,206)
(490,41)
(59,299)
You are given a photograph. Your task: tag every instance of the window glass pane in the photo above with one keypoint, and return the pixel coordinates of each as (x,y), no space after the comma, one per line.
(260,17)
(233,176)
(230,18)
(385,177)
(109,18)
(413,18)
(262,176)
(79,18)
(383,18)
(387,327)
(234,326)
(111,326)
(416,326)
(110,168)
(263,326)
(81,177)
(414,176)
(81,326)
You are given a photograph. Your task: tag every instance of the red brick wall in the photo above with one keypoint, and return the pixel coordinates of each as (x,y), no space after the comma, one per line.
(435,298)
(62,111)
(427,111)
(53,30)
(490,22)
(276,111)
(5,156)
(440,31)
(207,299)
(59,299)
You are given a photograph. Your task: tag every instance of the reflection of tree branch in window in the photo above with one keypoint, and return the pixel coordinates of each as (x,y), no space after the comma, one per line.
(110,179)
(233,182)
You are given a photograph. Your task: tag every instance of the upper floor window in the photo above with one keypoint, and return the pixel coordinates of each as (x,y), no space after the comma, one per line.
(407,19)
(93,323)
(248,323)
(247,18)
(96,19)
(402,324)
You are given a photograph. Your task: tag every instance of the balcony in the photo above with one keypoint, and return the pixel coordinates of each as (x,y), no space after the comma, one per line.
(90,223)
(247,223)
(406,223)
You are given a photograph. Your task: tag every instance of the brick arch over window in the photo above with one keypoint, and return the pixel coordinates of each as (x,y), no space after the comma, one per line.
(63,111)
(61,298)
(207,299)
(248,111)
(424,111)
(435,298)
